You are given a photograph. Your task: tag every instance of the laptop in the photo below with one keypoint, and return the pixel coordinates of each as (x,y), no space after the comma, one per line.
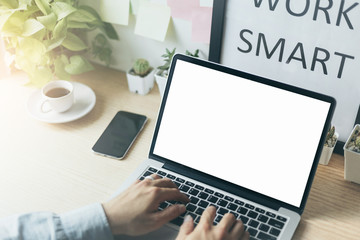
(246,144)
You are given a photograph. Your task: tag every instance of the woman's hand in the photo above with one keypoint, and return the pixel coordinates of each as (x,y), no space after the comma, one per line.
(228,228)
(135,211)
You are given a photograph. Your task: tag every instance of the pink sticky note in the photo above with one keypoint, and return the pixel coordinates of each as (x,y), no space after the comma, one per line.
(182,8)
(201,24)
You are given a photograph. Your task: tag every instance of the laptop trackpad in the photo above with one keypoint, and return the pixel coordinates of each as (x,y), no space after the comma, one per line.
(165,232)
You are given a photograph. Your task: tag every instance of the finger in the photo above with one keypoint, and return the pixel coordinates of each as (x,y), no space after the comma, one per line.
(169,213)
(238,230)
(164,182)
(208,216)
(245,236)
(169,194)
(186,228)
(227,221)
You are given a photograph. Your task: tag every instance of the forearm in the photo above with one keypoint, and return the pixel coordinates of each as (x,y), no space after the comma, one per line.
(85,223)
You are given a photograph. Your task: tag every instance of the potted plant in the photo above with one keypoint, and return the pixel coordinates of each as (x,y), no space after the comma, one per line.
(162,72)
(140,77)
(47,38)
(330,142)
(352,156)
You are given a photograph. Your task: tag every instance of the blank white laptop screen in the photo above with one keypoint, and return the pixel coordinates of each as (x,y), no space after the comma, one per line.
(254,135)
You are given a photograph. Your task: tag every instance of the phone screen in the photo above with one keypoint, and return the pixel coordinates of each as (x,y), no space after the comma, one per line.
(120,134)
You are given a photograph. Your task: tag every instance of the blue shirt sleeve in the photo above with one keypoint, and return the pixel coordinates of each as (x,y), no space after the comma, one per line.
(88,222)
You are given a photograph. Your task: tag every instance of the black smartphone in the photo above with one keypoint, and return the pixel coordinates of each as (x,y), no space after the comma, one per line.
(120,134)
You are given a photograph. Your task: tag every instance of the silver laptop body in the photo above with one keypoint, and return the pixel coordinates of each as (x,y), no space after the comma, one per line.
(254,141)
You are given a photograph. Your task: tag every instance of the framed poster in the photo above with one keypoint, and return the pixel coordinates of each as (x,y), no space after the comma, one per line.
(309,44)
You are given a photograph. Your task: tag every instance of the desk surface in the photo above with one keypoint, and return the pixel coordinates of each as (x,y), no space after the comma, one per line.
(51,167)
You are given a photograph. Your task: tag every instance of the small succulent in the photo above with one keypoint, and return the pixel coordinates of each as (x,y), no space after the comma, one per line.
(331,138)
(195,54)
(141,67)
(167,59)
(354,144)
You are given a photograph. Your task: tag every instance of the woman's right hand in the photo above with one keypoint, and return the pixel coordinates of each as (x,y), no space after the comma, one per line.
(228,228)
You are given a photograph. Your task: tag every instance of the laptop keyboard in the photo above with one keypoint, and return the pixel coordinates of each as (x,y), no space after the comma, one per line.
(260,223)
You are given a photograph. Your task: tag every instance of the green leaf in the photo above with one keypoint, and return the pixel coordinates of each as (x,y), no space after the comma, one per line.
(40,76)
(43,5)
(62,9)
(12,4)
(60,64)
(31,49)
(60,29)
(80,25)
(78,64)
(13,25)
(110,31)
(49,21)
(83,16)
(73,42)
(31,26)
(53,43)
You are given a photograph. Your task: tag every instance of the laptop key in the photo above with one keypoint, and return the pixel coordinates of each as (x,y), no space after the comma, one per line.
(252,232)
(161,173)
(213,199)
(172,177)
(147,173)
(222,203)
(163,205)
(264,236)
(193,192)
(252,214)
(218,218)
(184,188)
(270,214)
(177,221)
(190,207)
(242,210)
(253,223)
(203,195)
(275,223)
(220,195)
(222,211)
(177,184)
(274,231)
(203,204)
(199,187)
(249,206)
(194,200)
(230,199)
(241,203)
(259,210)
(209,191)
(180,180)
(199,210)
(191,184)
(263,218)
(232,206)
(281,218)
(151,169)
(263,227)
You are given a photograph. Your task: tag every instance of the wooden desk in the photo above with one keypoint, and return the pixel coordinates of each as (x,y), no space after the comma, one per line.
(51,167)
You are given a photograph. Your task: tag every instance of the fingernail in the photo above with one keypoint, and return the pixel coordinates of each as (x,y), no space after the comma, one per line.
(188,218)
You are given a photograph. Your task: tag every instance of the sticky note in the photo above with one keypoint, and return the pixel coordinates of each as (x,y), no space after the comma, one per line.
(201,24)
(152,20)
(182,8)
(115,11)
(206,3)
(135,6)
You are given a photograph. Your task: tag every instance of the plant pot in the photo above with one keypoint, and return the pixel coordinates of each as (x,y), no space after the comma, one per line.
(352,160)
(327,152)
(140,85)
(161,82)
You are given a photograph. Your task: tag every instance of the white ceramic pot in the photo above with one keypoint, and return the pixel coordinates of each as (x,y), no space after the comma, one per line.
(140,85)
(161,82)
(352,161)
(327,152)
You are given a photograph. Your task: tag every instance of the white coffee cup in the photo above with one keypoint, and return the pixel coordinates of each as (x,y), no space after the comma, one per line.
(58,95)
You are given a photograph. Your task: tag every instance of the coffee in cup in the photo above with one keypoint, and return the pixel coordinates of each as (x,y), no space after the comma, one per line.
(58,95)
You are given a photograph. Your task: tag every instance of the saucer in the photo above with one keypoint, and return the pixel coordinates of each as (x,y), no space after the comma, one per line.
(84,102)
